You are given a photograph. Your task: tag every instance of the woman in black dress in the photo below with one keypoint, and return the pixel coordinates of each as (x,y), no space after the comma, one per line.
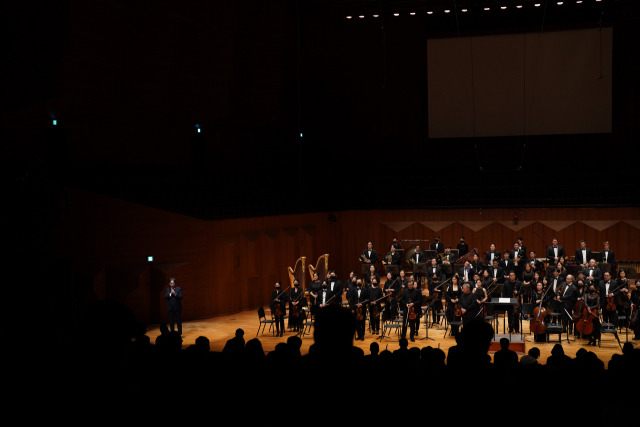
(452,296)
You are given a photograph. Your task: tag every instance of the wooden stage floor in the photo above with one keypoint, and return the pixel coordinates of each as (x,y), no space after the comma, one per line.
(221,328)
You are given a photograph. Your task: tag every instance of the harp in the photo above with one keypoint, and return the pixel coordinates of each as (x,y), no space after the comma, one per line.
(297,272)
(321,269)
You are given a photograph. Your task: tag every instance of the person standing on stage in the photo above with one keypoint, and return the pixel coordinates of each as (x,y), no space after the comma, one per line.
(469,304)
(357,303)
(555,252)
(452,298)
(173,295)
(369,255)
(410,302)
(592,302)
(375,295)
(278,307)
(296,302)
(608,289)
(512,289)
(314,289)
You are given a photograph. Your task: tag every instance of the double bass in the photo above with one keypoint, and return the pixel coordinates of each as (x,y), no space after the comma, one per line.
(585,323)
(537,325)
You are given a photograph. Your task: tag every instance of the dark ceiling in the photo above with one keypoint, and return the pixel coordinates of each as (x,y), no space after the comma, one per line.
(300,109)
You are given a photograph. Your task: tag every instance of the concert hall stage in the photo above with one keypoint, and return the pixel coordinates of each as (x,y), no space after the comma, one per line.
(221,328)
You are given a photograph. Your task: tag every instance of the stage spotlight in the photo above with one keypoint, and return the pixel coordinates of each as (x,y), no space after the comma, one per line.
(503,7)
(560,3)
(464,10)
(519,6)
(487,8)
(150,258)
(447,11)
(54,122)
(349,16)
(396,14)
(430,12)
(537,5)
(375,16)
(412,13)
(300,134)
(198,128)
(360,16)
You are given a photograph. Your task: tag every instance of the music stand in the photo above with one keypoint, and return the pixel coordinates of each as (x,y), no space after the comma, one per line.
(365,268)
(505,303)
(393,269)
(430,254)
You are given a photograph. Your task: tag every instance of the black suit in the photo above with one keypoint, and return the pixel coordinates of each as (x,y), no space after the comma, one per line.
(610,316)
(174,305)
(568,298)
(487,258)
(551,253)
(512,290)
(580,259)
(336,288)
(507,266)
(470,274)
(607,257)
(369,255)
(497,272)
(354,300)
(438,247)
(410,296)
(596,274)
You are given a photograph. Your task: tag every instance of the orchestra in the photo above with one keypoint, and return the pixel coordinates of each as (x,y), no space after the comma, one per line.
(584,299)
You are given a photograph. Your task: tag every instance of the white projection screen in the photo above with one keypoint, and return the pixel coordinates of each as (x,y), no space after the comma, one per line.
(543,83)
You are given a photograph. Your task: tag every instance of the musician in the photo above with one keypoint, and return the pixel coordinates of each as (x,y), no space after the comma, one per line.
(541,298)
(435,278)
(296,302)
(395,244)
(512,288)
(476,263)
(507,265)
(375,297)
(554,252)
(403,280)
(496,272)
(487,279)
(491,255)
(567,297)
(535,263)
(448,257)
(466,272)
(462,247)
(480,292)
(592,302)
(469,304)
(416,259)
(351,282)
(391,290)
(393,257)
(608,288)
(372,275)
(592,272)
(369,255)
(607,256)
(635,306)
(325,296)
(278,307)
(410,299)
(622,302)
(523,248)
(357,303)
(314,288)
(583,254)
(452,298)
(335,286)
(437,245)
(173,295)
(527,282)
(519,258)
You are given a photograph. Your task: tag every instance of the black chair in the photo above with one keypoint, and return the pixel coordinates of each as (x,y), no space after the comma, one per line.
(309,322)
(264,321)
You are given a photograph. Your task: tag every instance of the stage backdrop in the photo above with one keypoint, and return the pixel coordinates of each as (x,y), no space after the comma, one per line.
(226,266)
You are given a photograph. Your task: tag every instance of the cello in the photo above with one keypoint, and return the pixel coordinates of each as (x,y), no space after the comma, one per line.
(585,324)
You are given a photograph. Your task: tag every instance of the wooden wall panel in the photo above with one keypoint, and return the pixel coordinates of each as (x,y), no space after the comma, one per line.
(230,265)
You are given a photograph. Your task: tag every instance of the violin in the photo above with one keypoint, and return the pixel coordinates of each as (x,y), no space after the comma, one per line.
(279,303)
(360,310)
(412,312)
(457,310)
